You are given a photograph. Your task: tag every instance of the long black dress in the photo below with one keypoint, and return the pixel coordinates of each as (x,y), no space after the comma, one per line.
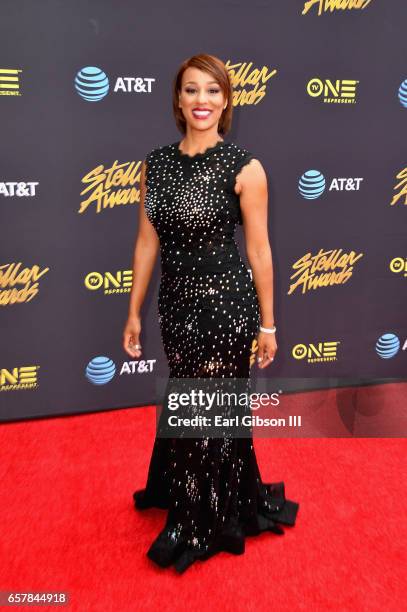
(209,317)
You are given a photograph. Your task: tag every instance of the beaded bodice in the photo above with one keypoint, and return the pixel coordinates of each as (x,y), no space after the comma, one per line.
(191,202)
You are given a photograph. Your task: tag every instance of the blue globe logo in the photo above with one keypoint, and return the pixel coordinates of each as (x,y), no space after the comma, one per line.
(100,370)
(387,346)
(92,84)
(403,93)
(312,184)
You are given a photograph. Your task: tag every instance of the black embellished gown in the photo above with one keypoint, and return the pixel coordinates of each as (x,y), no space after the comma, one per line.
(209,317)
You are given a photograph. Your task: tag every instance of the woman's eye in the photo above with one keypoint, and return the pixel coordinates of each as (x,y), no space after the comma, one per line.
(191,90)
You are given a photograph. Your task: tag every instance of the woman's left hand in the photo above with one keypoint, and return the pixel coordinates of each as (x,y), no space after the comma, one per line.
(267,347)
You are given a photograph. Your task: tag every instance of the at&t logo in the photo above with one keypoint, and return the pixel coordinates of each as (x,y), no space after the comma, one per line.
(312,184)
(92,84)
(388,345)
(20,189)
(101,369)
(402,93)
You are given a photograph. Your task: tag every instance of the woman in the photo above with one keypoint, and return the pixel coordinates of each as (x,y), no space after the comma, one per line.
(193,193)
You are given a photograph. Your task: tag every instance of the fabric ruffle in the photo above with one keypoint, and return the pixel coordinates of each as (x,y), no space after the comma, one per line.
(270,512)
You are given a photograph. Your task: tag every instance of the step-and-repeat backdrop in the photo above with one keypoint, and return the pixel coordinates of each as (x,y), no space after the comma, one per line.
(320,97)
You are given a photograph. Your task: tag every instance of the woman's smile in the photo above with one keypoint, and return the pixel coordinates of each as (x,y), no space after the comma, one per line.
(201,113)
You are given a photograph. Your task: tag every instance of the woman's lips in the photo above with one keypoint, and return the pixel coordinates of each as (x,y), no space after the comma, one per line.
(201,114)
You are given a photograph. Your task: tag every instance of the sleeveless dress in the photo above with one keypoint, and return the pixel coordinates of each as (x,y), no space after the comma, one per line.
(209,318)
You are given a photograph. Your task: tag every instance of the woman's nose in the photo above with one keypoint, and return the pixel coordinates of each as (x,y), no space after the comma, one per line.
(202,97)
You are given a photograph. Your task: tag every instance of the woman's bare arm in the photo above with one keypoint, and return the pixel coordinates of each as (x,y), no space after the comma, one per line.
(145,253)
(251,186)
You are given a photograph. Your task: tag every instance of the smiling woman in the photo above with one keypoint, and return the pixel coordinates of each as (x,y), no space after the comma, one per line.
(200,112)
(194,193)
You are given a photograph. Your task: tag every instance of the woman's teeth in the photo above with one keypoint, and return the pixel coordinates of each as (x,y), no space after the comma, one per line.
(201,114)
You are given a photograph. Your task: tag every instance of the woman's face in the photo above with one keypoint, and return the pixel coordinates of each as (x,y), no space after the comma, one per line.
(201,99)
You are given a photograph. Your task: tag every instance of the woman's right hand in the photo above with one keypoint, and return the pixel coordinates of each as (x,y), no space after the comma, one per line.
(131,336)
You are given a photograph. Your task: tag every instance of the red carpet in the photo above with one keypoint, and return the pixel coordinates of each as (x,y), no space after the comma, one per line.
(68,522)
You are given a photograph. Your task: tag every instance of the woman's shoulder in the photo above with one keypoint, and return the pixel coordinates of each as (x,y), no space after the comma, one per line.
(234,146)
(238,156)
(238,152)
(158,153)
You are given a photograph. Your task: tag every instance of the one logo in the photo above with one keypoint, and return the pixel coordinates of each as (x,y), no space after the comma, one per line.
(398,265)
(9,82)
(311,184)
(109,282)
(100,370)
(92,84)
(387,346)
(20,377)
(342,91)
(403,94)
(315,353)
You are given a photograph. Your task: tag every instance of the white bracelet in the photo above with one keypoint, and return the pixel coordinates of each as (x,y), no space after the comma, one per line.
(268,330)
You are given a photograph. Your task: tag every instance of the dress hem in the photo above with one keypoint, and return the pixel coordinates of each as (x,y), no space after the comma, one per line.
(273,509)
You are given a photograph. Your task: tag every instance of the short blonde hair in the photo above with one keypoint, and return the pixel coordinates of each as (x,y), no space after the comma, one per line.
(216,68)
